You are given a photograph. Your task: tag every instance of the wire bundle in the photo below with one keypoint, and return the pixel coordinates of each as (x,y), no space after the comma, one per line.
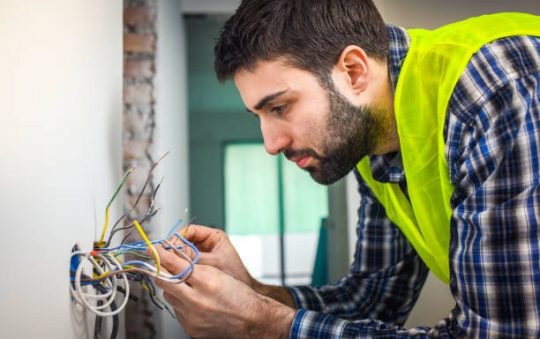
(100,278)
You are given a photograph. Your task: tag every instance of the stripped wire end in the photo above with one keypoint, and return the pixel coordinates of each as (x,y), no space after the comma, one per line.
(185,231)
(99,244)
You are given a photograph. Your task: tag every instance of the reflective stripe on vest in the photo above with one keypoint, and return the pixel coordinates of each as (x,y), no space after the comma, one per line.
(434,63)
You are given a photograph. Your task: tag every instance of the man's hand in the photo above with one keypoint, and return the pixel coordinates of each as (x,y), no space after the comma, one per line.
(213,304)
(216,250)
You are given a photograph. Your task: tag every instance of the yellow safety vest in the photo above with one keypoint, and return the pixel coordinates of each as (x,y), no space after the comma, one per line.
(434,63)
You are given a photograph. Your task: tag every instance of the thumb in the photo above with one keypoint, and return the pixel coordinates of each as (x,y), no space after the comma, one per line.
(172,262)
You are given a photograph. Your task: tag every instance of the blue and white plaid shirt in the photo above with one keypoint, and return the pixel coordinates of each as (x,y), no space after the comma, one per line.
(493,149)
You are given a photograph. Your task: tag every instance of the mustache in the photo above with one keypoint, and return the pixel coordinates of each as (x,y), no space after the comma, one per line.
(289,153)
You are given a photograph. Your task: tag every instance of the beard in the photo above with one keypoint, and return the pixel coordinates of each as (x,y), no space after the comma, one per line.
(349,134)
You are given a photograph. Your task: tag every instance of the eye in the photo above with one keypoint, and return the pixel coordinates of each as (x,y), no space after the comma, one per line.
(278,109)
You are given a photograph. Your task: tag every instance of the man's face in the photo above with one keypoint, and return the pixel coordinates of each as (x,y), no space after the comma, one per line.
(317,128)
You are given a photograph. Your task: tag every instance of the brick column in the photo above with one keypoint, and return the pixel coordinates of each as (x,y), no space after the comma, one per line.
(142,318)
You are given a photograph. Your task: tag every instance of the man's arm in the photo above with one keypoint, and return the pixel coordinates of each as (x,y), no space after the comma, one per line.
(383,283)
(384,280)
(278,293)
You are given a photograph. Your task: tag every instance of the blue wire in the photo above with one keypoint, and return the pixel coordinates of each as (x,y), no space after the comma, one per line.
(195,260)
(142,246)
(175,226)
(143,263)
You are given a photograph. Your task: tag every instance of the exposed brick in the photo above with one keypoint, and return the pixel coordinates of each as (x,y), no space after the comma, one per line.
(141,318)
(134,122)
(138,94)
(138,69)
(145,110)
(135,182)
(141,208)
(134,149)
(139,43)
(139,16)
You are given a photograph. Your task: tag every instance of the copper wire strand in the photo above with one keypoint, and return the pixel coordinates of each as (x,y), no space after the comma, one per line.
(150,212)
(147,181)
(131,227)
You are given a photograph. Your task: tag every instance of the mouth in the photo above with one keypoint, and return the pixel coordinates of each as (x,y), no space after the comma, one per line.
(301,162)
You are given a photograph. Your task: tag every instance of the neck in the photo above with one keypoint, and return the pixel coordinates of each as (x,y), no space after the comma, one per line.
(389,143)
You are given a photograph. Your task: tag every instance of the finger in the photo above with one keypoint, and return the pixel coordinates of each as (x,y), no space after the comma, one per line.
(179,290)
(210,259)
(179,246)
(205,238)
(171,261)
(186,232)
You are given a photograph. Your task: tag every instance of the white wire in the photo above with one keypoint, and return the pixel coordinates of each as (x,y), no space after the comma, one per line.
(111,295)
(126,286)
(111,263)
(83,297)
(112,287)
(112,281)
(95,309)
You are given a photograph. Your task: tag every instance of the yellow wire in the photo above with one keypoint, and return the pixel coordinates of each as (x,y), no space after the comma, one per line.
(143,284)
(101,243)
(105,225)
(150,246)
(104,274)
(97,277)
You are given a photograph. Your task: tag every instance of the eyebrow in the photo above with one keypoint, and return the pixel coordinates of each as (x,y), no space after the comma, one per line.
(264,101)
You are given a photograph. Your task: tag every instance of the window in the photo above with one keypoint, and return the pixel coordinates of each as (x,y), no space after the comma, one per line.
(273,213)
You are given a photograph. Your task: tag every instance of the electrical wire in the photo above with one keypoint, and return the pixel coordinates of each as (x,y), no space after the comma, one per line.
(146,183)
(112,273)
(149,244)
(98,275)
(107,209)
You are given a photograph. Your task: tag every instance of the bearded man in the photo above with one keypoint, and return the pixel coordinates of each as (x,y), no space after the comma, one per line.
(442,129)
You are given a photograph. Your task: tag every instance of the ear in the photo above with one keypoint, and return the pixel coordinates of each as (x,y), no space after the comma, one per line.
(353,66)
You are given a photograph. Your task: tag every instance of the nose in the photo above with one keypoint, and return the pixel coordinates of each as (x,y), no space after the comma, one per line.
(275,136)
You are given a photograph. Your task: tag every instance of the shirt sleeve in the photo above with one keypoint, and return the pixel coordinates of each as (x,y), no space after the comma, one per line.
(494,163)
(494,253)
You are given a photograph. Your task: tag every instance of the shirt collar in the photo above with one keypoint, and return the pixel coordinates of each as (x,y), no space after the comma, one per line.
(388,167)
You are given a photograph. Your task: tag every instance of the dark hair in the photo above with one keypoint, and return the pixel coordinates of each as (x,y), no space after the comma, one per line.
(308,34)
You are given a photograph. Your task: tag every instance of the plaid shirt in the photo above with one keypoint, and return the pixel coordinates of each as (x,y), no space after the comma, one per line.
(492,136)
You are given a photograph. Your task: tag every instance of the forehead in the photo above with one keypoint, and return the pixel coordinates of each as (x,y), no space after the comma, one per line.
(268,77)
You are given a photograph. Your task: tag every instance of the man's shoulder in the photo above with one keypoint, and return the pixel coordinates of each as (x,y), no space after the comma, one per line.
(493,67)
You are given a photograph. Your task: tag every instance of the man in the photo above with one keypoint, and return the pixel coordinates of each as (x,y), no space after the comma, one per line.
(442,130)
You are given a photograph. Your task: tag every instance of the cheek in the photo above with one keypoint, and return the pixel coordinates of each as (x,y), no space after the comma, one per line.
(310,122)
(310,135)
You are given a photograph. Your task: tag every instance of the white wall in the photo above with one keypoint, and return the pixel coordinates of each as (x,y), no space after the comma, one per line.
(436,300)
(60,158)
(171,124)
